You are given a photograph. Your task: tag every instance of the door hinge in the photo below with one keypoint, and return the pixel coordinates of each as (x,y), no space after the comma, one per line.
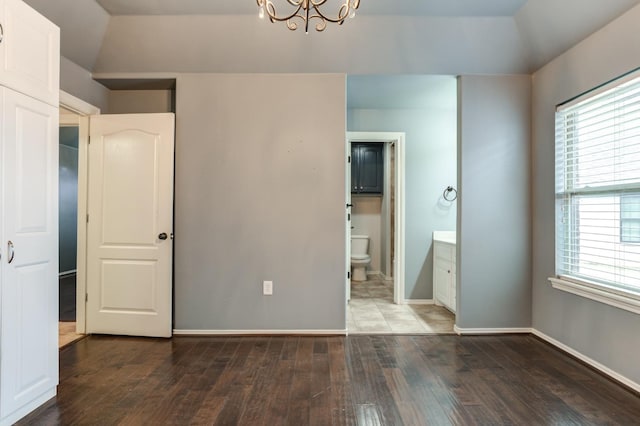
(348,216)
(87,218)
(349,159)
(349,275)
(89,140)
(86,297)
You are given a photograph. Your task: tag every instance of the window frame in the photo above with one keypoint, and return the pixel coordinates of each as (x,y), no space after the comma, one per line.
(621,296)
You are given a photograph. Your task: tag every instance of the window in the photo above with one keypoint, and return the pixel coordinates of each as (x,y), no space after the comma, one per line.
(630,218)
(598,189)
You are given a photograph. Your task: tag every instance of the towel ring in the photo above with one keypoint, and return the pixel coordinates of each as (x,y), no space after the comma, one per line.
(446,194)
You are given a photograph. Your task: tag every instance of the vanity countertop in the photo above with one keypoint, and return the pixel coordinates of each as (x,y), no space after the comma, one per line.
(448,237)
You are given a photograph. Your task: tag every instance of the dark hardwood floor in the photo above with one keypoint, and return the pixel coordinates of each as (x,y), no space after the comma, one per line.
(363,380)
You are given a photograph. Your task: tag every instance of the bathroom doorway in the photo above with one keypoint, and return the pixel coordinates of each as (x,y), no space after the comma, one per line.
(380,217)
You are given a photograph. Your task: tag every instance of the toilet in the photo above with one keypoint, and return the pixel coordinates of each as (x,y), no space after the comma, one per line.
(359,257)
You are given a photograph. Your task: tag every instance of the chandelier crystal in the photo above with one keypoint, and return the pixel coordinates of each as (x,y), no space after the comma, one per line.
(305,11)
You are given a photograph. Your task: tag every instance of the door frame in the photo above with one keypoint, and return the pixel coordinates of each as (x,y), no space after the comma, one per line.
(83,111)
(398,138)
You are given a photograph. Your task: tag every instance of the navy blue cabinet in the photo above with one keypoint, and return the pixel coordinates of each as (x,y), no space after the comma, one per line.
(367,168)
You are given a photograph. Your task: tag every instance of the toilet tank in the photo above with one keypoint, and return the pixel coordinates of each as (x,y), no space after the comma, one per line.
(359,244)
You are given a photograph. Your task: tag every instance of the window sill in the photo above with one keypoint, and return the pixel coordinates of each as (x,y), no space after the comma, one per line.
(623,299)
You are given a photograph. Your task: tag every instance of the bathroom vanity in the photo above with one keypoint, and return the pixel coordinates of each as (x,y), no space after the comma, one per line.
(444,269)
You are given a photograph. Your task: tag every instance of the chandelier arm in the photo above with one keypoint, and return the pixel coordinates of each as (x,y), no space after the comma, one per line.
(271,10)
(343,12)
(352,4)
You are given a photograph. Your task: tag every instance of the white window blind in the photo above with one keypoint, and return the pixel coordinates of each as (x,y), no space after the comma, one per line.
(598,187)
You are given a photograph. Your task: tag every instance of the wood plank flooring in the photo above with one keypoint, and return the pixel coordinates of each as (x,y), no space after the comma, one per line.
(355,380)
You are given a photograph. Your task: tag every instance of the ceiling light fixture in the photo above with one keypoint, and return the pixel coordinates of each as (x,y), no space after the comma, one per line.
(306,10)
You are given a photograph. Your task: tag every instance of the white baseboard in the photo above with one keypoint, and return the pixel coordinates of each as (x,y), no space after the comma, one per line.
(471,331)
(417,302)
(376,274)
(178,332)
(595,364)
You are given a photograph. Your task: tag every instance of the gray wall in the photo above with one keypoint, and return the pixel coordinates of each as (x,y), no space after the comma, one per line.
(78,82)
(430,167)
(140,101)
(606,334)
(68,198)
(494,216)
(260,196)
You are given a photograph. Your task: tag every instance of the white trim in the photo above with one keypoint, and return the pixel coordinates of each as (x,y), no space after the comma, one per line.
(84,110)
(399,237)
(600,293)
(375,273)
(595,364)
(472,331)
(180,332)
(385,241)
(26,409)
(77,105)
(418,302)
(68,120)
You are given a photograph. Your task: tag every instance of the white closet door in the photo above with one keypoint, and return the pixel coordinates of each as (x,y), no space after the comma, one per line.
(29,357)
(29,52)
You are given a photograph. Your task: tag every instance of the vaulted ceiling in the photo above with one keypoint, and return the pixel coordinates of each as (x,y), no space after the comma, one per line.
(387,37)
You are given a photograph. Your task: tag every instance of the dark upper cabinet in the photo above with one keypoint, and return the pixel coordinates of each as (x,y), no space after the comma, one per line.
(367,168)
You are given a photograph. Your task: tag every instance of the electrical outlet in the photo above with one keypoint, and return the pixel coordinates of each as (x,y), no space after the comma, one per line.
(267,288)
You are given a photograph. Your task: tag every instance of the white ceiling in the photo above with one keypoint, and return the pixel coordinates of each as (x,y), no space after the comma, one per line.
(388,36)
(367,7)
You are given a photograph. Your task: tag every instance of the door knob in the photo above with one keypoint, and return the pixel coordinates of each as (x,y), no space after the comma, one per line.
(163,236)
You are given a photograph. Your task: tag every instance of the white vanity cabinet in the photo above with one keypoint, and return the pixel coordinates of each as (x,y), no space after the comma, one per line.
(444,270)
(29,90)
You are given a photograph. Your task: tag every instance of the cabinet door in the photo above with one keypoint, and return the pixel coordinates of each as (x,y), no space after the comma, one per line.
(29,52)
(371,168)
(441,280)
(29,350)
(355,167)
(367,168)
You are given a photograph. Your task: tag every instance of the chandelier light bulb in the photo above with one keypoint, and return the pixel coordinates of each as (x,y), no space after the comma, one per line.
(260,12)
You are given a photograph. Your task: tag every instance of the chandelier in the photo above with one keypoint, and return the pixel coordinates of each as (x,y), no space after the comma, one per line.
(307,10)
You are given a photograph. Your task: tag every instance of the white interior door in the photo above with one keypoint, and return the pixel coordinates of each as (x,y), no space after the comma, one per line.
(130,230)
(348,221)
(29,175)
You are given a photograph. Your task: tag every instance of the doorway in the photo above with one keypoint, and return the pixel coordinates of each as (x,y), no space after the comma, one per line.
(67,226)
(391,208)
(74,135)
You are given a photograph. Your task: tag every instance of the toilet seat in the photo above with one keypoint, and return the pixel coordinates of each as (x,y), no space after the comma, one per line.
(361,257)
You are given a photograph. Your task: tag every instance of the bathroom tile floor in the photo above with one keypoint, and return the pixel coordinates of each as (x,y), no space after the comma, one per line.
(67,334)
(371,310)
